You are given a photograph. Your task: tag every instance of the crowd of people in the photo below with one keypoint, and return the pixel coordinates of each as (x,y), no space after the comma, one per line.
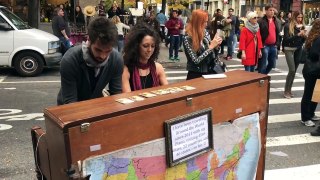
(113,61)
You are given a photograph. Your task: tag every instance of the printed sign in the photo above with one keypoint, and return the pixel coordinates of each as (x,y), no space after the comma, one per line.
(188,136)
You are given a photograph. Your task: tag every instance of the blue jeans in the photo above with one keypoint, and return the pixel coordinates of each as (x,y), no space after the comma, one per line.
(66,43)
(174,46)
(120,45)
(230,44)
(268,60)
(249,68)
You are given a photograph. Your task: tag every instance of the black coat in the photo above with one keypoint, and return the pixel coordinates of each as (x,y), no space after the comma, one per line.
(75,83)
(264,29)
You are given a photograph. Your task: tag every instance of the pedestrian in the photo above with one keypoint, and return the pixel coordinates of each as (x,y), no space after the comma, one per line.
(198,46)
(79,17)
(90,12)
(174,25)
(281,17)
(87,69)
(293,40)
(215,25)
(114,10)
(153,22)
(162,19)
(101,9)
(269,31)
(250,42)
(140,53)
(120,27)
(311,72)
(230,21)
(61,29)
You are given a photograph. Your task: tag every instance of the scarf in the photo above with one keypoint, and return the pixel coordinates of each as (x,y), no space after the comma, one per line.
(136,76)
(253,28)
(89,60)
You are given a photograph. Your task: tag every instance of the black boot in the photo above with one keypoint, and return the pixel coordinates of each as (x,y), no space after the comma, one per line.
(316,132)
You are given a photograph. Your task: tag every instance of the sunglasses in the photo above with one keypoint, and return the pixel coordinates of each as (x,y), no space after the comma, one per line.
(254,18)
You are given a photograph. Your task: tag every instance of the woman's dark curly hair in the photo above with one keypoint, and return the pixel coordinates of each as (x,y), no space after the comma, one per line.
(134,38)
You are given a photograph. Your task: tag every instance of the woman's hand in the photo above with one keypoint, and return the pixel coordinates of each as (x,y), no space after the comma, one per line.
(216,41)
(260,54)
(243,56)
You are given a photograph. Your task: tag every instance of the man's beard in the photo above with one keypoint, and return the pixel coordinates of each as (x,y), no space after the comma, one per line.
(93,57)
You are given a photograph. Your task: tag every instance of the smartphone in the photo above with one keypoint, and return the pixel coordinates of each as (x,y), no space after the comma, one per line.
(220,33)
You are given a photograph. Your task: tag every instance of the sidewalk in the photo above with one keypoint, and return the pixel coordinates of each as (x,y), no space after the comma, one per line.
(166,63)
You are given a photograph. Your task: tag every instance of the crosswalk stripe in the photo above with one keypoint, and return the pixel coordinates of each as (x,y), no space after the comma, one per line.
(299,88)
(2,78)
(292,140)
(284,101)
(177,78)
(176,72)
(283,81)
(284,118)
(311,172)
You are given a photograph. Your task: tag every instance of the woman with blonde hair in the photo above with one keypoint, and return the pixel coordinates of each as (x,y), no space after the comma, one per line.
(199,48)
(250,42)
(120,26)
(293,39)
(311,73)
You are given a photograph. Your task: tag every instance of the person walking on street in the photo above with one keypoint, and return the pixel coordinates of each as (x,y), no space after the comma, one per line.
(230,20)
(174,25)
(269,31)
(162,19)
(311,73)
(140,53)
(293,40)
(120,26)
(88,69)
(198,46)
(250,42)
(101,9)
(79,17)
(61,29)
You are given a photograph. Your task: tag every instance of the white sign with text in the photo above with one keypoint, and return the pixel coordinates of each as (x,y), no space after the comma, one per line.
(189,136)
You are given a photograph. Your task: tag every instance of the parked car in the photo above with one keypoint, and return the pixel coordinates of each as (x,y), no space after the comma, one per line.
(26,49)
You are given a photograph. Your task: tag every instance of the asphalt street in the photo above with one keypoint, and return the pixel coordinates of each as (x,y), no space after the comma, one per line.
(291,152)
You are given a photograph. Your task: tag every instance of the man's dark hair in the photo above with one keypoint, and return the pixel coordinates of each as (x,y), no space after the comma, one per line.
(104,30)
(268,6)
(230,9)
(174,11)
(218,10)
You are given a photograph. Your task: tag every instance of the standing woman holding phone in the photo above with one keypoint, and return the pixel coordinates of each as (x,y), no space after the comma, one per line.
(293,39)
(198,46)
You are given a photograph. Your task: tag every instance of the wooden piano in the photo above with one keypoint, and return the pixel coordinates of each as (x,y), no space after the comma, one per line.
(82,130)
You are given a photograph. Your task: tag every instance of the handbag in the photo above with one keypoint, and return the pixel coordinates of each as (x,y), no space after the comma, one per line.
(216,66)
(239,54)
(304,55)
(310,65)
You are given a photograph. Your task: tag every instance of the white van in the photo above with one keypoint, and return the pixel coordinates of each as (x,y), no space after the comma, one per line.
(26,49)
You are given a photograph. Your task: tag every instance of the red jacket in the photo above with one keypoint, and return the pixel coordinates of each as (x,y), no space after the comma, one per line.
(171,26)
(246,43)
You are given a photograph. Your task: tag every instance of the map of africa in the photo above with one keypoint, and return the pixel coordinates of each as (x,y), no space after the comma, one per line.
(235,156)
